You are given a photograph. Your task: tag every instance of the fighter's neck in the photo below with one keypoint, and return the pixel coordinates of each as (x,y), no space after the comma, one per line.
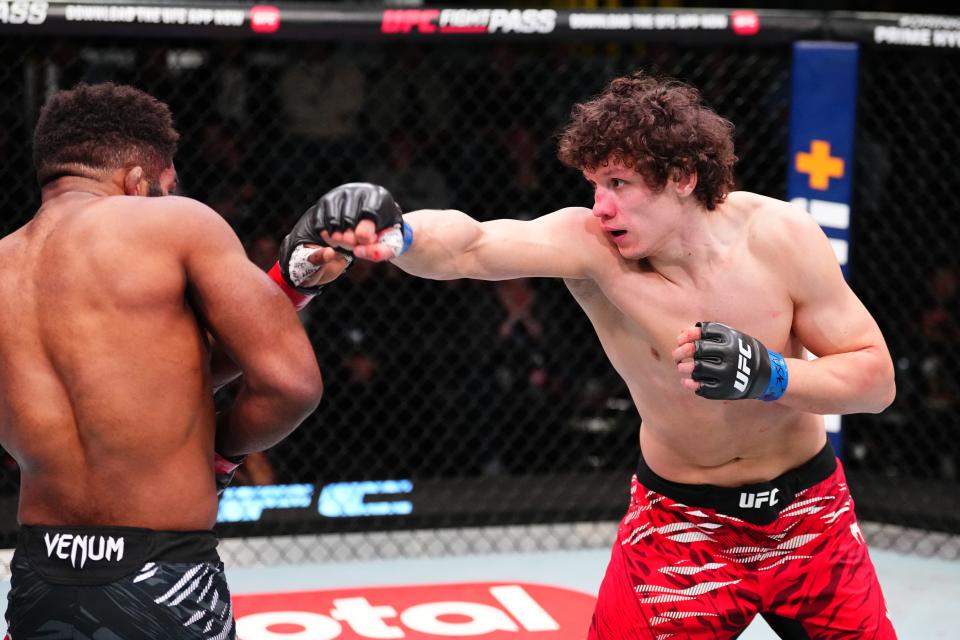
(699,246)
(68,185)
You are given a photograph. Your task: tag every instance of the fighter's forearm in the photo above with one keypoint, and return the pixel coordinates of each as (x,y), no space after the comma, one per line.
(223,370)
(259,418)
(856,382)
(728,364)
(444,245)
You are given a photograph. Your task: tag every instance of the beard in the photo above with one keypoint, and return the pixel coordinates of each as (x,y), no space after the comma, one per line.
(154,190)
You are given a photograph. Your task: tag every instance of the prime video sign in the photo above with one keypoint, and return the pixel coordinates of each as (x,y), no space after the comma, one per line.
(337,500)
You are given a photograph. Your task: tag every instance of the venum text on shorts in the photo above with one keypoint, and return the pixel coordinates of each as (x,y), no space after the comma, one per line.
(73,547)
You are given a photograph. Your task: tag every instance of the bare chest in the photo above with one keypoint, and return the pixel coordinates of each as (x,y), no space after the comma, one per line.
(639,315)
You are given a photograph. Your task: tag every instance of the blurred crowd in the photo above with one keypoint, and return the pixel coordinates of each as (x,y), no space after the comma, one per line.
(422,378)
(454,378)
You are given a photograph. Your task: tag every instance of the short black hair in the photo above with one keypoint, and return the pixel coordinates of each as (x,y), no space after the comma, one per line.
(103,127)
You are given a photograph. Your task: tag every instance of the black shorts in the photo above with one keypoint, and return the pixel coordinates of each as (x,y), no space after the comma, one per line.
(117,583)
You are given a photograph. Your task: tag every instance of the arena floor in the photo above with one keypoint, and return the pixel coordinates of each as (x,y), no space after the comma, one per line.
(550,595)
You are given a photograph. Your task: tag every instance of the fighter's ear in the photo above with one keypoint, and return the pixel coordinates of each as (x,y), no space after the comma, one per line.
(686,181)
(133,182)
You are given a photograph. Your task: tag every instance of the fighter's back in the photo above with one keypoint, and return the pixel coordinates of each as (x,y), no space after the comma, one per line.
(106,375)
(104,385)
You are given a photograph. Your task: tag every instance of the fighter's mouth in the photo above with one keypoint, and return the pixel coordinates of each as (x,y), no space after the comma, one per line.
(616,233)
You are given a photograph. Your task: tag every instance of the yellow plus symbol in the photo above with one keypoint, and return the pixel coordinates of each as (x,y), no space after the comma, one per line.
(819,165)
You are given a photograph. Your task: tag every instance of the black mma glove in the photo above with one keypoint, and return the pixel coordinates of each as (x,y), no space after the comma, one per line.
(339,209)
(730,365)
(225,467)
(345,206)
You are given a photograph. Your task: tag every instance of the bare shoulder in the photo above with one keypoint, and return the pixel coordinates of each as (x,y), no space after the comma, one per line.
(577,219)
(10,241)
(576,225)
(11,246)
(578,232)
(178,220)
(575,215)
(787,239)
(173,211)
(775,226)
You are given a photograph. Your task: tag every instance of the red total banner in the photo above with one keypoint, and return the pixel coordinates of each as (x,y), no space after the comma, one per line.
(487,611)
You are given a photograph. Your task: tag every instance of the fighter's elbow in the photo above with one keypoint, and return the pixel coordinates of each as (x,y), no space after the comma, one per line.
(295,391)
(887,396)
(306,391)
(883,386)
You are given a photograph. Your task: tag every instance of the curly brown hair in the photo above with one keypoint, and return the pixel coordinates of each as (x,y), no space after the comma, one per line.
(93,128)
(660,128)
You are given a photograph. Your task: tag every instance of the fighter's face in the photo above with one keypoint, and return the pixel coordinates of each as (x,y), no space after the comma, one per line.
(631,214)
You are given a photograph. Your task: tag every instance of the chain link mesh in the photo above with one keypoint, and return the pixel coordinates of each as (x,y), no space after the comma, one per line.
(496,398)
(903,464)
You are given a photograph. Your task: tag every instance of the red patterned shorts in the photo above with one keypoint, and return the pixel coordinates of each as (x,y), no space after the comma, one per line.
(700,562)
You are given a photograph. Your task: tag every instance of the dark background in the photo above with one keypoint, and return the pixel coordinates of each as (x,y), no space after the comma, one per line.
(500,391)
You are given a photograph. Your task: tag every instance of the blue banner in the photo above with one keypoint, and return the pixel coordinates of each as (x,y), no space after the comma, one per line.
(822,125)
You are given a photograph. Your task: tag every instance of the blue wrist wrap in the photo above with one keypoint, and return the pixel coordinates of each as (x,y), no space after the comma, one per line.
(778,378)
(407,238)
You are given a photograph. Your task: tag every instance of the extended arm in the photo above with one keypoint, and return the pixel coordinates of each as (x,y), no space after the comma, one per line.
(450,244)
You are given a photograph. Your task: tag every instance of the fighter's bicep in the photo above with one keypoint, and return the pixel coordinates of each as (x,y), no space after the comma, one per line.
(828,316)
(555,245)
(248,314)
